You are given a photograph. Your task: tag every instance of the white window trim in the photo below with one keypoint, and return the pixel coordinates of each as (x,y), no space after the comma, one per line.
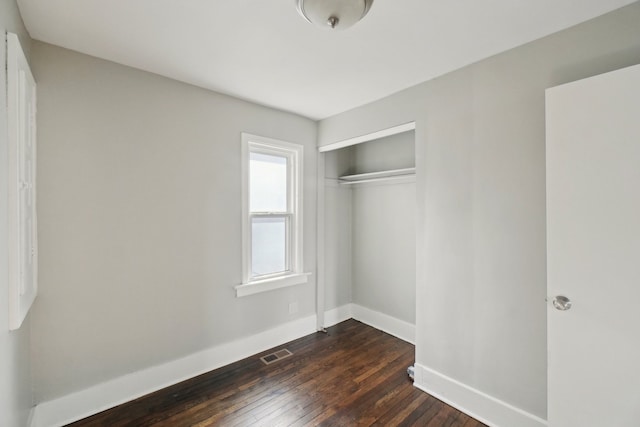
(294,275)
(21,184)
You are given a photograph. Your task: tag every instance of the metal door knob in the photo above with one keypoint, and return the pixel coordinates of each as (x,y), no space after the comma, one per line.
(562,303)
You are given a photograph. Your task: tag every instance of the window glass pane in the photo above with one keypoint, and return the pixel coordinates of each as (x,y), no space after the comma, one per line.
(268,243)
(267,183)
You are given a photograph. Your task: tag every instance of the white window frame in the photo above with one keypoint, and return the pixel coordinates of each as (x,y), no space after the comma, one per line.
(294,275)
(21,183)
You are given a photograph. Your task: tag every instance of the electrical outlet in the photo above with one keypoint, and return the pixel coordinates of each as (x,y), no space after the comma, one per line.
(293,307)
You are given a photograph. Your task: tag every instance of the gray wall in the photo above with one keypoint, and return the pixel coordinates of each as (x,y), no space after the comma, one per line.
(384,234)
(338,246)
(384,249)
(337,231)
(140,221)
(481,273)
(391,152)
(15,370)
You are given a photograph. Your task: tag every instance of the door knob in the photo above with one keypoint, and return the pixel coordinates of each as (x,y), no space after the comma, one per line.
(562,303)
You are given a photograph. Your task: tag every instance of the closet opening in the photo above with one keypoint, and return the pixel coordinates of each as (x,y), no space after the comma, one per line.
(368,234)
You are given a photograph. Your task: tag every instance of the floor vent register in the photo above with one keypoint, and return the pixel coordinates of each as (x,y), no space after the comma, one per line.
(274,357)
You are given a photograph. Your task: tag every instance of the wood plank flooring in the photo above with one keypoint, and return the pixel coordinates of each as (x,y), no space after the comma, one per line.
(353,376)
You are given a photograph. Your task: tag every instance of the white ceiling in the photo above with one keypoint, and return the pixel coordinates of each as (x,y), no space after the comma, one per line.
(263,51)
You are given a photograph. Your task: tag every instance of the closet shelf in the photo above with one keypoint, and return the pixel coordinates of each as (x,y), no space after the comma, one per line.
(386,175)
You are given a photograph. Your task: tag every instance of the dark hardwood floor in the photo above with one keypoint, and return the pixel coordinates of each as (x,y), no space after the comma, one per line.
(353,376)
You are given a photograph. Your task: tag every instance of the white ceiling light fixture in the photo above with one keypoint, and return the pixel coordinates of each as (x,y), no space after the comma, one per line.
(333,14)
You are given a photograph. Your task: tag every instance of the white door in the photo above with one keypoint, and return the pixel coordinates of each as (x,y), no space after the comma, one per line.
(593,251)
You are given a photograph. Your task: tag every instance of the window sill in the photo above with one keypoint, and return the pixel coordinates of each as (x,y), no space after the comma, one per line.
(270,284)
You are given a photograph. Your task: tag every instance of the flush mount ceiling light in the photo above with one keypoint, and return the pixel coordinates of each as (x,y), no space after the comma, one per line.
(333,14)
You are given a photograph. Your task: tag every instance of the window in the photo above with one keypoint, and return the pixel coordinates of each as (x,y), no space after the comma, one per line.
(21,187)
(272,214)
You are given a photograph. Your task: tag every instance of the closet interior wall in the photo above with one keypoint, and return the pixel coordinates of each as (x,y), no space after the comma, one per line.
(370,242)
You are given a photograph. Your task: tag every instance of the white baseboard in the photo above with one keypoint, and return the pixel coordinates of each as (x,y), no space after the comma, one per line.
(84,403)
(391,325)
(100,397)
(337,315)
(475,403)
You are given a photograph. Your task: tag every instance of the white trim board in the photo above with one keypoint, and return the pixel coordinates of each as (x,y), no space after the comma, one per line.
(336,183)
(339,314)
(391,180)
(391,325)
(405,127)
(320,242)
(475,403)
(100,397)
